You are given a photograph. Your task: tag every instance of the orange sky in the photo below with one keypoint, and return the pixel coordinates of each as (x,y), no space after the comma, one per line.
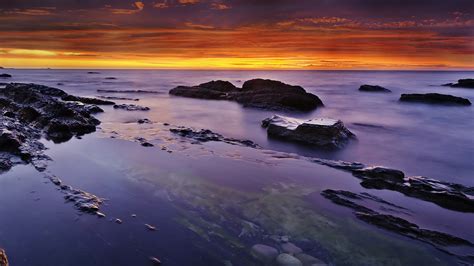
(236,34)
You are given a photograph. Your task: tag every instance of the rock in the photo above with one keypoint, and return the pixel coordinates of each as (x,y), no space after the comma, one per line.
(110,78)
(291,248)
(462,83)
(118,221)
(5,75)
(308,260)
(155,261)
(205,135)
(101,215)
(395,224)
(126,91)
(10,141)
(259,93)
(144,142)
(144,121)
(287,260)
(131,107)
(150,227)
(3,258)
(93,72)
(373,88)
(264,253)
(118,98)
(86,100)
(434,98)
(134,215)
(322,132)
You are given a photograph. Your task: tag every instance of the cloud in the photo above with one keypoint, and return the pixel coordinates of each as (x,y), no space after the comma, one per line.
(220,6)
(122,11)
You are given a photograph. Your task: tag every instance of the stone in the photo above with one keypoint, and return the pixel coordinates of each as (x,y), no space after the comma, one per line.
(155,261)
(119,98)
(118,221)
(264,253)
(87,100)
(323,132)
(287,260)
(373,88)
(462,83)
(291,248)
(435,98)
(150,227)
(259,93)
(126,91)
(205,135)
(4,75)
(131,107)
(3,258)
(309,260)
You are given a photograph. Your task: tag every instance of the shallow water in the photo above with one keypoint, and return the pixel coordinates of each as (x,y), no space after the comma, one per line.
(200,197)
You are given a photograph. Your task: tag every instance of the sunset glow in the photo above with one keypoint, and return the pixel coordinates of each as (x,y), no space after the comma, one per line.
(200,34)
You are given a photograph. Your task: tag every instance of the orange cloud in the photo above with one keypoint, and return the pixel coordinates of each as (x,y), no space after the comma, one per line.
(220,6)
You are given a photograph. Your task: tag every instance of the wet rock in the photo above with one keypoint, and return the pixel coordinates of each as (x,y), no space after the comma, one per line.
(3,258)
(93,72)
(118,98)
(144,142)
(462,83)
(264,253)
(83,201)
(205,135)
(373,88)
(144,121)
(259,93)
(127,91)
(447,195)
(155,261)
(150,227)
(118,221)
(434,98)
(10,141)
(87,100)
(395,224)
(131,107)
(287,260)
(4,75)
(101,215)
(110,78)
(308,260)
(322,132)
(291,248)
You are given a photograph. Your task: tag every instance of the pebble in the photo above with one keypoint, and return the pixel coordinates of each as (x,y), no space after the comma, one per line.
(101,215)
(155,261)
(150,227)
(288,260)
(134,215)
(291,248)
(264,253)
(309,260)
(118,221)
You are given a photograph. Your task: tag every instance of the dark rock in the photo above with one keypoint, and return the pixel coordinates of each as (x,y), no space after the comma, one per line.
(260,93)
(287,260)
(435,98)
(144,142)
(373,88)
(144,121)
(205,135)
(264,253)
(462,83)
(93,72)
(110,78)
(10,141)
(119,98)
(86,100)
(131,107)
(3,258)
(395,224)
(5,75)
(127,91)
(322,132)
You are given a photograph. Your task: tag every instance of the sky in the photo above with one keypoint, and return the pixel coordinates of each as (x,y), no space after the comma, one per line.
(238,34)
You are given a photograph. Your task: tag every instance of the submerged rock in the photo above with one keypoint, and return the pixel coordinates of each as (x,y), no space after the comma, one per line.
(264,253)
(291,248)
(4,75)
(287,260)
(373,88)
(110,78)
(259,93)
(126,91)
(118,98)
(462,83)
(131,107)
(205,135)
(322,132)
(144,121)
(395,224)
(435,98)
(308,260)
(3,258)
(86,100)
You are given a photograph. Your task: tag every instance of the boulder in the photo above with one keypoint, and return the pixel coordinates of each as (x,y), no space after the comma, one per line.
(259,93)
(373,88)
(264,253)
(435,98)
(462,83)
(288,260)
(131,107)
(324,132)
(4,75)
